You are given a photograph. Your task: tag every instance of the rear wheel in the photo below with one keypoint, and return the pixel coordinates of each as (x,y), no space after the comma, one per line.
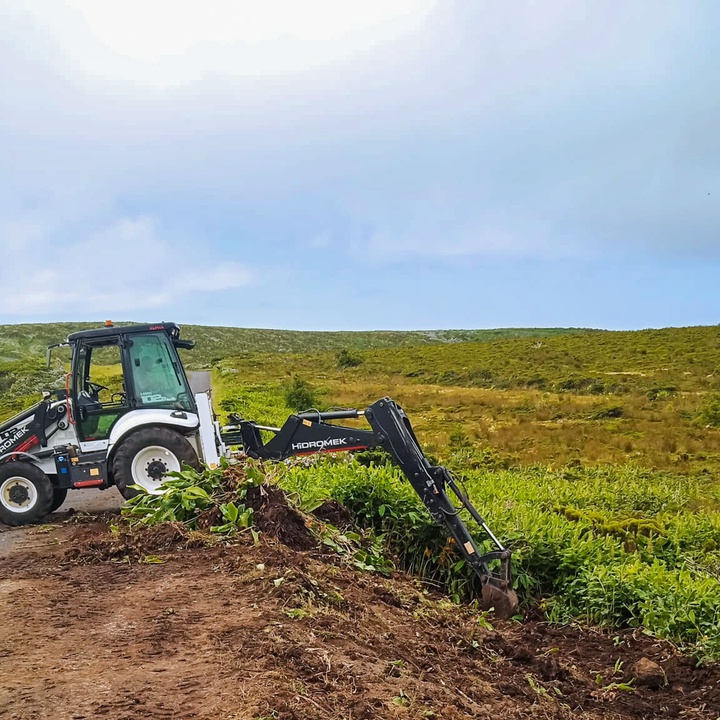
(147,456)
(26,493)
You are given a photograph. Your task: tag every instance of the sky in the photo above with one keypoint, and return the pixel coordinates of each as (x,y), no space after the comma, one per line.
(390,164)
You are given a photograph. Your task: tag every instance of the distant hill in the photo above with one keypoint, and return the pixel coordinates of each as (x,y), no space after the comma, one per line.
(536,395)
(23,342)
(656,362)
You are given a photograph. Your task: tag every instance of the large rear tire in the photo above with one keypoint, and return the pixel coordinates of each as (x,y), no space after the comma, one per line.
(146,456)
(26,493)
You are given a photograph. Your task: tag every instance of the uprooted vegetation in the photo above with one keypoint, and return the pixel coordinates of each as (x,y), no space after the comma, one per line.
(218,505)
(639,550)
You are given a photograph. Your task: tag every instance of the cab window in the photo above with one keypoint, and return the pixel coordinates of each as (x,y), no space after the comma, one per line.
(157,377)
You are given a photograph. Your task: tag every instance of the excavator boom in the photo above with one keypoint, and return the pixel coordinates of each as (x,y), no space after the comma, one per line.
(311,432)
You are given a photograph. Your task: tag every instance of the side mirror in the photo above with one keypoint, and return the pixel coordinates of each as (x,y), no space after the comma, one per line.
(48,354)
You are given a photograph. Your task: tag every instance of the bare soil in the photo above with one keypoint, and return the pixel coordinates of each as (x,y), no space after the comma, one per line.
(94,626)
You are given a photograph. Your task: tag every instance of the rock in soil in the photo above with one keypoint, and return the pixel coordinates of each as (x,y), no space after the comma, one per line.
(648,673)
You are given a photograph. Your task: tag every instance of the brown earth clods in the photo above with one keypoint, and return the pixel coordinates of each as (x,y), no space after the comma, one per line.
(94,626)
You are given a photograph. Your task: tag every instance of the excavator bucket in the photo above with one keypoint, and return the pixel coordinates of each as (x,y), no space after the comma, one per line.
(504,603)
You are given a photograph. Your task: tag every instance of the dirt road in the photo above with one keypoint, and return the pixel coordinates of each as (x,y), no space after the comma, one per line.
(94,626)
(78,501)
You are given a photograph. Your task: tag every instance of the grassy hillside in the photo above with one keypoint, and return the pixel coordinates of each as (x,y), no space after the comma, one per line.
(20,342)
(649,397)
(645,397)
(23,347)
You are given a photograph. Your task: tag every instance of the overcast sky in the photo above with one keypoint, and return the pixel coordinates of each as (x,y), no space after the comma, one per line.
(360,165)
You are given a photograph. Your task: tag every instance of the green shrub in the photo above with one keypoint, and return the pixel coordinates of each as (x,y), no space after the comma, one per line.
(613,412)
(347,359)
(459,438)
(300,395)
(537,381)
(582,385)
(661,392)
(709,414)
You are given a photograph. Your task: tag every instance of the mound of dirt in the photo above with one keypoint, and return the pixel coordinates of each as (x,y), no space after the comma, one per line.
(247,631)
(331,511)
(275,517)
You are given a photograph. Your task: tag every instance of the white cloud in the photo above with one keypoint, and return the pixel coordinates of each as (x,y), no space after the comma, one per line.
(177,42)
(126,266)
(450,243)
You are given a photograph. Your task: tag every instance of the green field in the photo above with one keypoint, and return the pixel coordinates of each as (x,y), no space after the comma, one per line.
(595,455)
(22,349)
(644,398)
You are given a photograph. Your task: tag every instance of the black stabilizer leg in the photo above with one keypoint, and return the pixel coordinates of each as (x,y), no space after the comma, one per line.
(395,434)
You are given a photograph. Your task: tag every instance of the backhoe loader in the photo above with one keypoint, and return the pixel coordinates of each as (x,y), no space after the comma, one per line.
(160,418)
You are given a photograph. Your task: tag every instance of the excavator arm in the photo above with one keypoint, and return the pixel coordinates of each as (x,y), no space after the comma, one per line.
(311,432)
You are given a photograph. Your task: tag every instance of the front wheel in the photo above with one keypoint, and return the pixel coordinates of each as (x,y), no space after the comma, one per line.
(26,493)
(146,456)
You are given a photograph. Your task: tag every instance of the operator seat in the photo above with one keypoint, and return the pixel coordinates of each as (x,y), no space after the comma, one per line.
(86,400)
(89,413)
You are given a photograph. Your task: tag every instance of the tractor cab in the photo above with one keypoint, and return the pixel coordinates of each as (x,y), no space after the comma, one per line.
(116,370)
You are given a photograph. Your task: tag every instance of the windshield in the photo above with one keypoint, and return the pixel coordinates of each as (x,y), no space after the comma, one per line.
(156,373)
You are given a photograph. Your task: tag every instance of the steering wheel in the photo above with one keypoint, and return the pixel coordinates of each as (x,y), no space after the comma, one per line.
(94,388)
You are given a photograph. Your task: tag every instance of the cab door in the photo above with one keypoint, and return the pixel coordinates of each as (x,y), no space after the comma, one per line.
(99,395)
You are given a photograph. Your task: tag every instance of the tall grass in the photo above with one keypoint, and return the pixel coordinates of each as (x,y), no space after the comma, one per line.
(618,547)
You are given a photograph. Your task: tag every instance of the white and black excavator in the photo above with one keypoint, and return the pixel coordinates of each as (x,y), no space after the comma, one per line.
(160,417)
